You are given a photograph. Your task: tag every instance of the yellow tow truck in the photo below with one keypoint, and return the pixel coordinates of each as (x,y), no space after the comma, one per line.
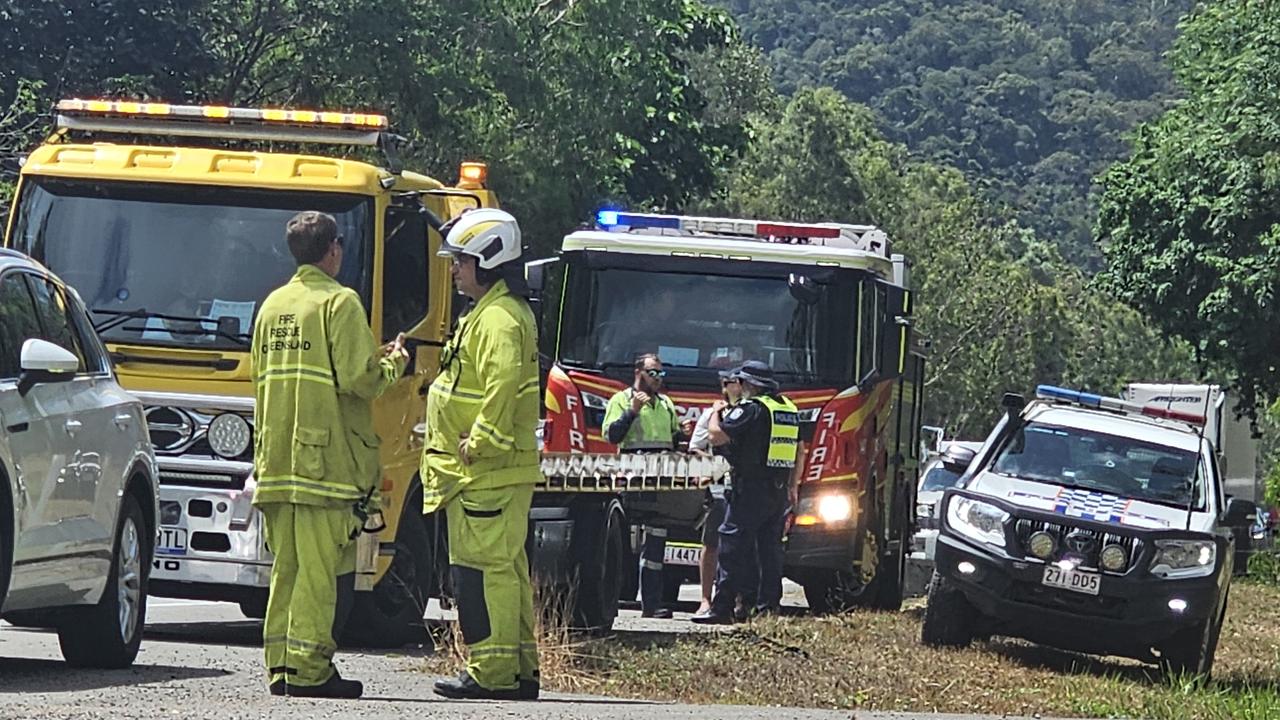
(169,222)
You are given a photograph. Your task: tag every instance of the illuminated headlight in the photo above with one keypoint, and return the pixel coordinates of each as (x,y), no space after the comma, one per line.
(229,435)
(977,520)
(835,508)
(1184,558)
(825,509)
(1042,544)
(1113,558)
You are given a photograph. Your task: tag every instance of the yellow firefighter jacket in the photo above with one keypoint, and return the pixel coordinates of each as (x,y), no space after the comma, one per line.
(487,389)
(316,370)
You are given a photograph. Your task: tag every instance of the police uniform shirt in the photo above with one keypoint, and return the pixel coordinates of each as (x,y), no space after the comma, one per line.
(748,426)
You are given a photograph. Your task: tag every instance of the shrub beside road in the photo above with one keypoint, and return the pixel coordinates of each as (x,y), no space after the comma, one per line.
(874,661)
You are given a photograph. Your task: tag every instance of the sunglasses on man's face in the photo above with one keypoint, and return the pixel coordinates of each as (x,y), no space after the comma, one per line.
(729,381)
(656,373)
(338,240)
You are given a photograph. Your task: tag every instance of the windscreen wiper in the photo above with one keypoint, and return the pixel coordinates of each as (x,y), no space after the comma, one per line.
(120,317)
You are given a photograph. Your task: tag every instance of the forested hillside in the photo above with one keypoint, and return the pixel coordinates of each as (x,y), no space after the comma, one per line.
(1030,99)
(664,105)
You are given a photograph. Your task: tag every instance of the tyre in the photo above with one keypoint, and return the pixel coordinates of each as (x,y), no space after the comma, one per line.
(599,556)
(887,587)
(255,605)
(672,580)
(107,635)
(32,619)
(949,618)
(391,614)
(1191,651)
(832,591)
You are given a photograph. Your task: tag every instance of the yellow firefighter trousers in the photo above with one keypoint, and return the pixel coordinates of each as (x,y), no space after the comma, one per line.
(490,572)
(312,546)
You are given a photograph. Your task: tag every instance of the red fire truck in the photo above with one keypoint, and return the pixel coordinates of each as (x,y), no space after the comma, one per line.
(827,305)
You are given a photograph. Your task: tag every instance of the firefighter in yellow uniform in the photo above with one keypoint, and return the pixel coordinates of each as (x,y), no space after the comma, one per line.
(480,460)
(316,370)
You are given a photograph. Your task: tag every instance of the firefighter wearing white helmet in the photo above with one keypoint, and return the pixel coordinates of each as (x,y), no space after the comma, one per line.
(480,461)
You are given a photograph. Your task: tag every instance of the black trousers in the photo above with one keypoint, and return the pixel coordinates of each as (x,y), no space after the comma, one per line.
(750,561)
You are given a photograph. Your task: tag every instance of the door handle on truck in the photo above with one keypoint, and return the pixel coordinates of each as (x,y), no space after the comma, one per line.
(124,420)
(73,426)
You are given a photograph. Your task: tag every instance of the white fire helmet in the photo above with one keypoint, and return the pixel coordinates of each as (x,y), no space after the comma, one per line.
(490,235)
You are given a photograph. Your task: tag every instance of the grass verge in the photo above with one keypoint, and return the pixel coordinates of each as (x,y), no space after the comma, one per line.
(875,661)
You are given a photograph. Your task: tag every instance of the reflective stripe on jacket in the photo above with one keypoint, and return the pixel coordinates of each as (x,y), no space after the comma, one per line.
(316,370)
(784,430)
(487,388)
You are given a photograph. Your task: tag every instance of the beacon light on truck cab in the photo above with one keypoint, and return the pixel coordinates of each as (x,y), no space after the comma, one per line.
(613,220)
(1090,400)
(103,108)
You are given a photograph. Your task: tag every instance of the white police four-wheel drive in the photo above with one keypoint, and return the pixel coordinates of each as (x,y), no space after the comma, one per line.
(1090,524)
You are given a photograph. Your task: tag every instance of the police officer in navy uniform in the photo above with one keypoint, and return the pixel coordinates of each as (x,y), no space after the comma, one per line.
(760,437)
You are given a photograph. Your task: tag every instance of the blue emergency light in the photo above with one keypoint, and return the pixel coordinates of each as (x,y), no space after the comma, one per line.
(1050,392)
(613,218)
(1084,399)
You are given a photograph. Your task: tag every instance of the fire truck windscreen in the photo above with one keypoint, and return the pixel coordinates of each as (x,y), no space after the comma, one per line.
(712,321)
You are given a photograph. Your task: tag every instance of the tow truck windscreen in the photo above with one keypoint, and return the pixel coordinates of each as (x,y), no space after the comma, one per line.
(176,258)
(709,322)
(1091,460)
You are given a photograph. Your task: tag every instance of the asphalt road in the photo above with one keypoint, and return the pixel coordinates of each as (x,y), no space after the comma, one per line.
(203,660)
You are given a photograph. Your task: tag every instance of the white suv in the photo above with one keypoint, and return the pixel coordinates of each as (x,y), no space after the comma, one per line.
(1091,524)
(77,476)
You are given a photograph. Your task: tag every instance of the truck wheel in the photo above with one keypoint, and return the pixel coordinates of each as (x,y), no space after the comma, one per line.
(630,574)
(886,590)
(887,586)
(672,580)
(1191,651)
(831,591)
(391,615)
(107,635)
(254,605)
(599,556)
(949,618)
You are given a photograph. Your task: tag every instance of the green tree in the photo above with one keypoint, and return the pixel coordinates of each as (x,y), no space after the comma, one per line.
(1189,221)
(1003,309)
(570,102)
(1030,99)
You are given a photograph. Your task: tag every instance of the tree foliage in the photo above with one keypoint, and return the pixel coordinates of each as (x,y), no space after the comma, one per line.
(1004,311)
(1030,99)
(1190,221)
(566,113)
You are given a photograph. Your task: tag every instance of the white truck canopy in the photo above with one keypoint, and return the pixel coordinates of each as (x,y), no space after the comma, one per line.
(1231,437)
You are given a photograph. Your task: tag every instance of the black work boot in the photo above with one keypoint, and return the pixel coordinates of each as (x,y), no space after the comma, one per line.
(334,687)
(528,690)
(277,687)
(465,687)
(659,613)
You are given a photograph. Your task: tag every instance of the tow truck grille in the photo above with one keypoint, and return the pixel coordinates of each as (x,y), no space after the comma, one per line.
(1083,543)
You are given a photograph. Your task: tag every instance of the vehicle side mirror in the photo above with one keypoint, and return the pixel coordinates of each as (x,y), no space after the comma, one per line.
(535,273)
(44,362)
(1239,512)
(1013,403)
(957,460)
